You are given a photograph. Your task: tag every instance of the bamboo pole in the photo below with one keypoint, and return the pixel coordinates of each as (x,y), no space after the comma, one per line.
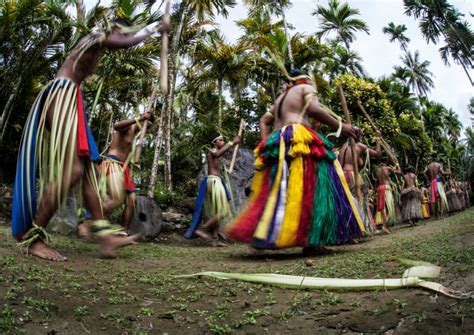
(234,154)
(151,103)
(355,156)
(164,52)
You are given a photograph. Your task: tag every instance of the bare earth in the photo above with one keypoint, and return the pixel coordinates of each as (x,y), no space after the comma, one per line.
(137,293)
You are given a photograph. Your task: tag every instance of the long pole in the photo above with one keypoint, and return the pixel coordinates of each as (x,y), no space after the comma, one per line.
(234,154)
(355,156)
(149,109)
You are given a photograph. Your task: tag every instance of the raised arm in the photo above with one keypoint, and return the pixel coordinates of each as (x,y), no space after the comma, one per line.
(125,124)
(378,150)
(123,41)
(266,122)
(227,146)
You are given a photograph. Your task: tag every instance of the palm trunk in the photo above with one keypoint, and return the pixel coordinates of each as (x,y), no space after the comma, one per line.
(170,97)
(8,107)
(219,114)
(467,73)
(156,155)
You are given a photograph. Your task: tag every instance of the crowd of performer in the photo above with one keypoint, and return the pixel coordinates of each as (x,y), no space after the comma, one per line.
(305,192)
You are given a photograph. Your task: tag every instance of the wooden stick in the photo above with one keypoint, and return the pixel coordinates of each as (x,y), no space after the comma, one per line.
(149,109)
(382,141)
(234,154)
(384,144)
(355,156)
(164,52)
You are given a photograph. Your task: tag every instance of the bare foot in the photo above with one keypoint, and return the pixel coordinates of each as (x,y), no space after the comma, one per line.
(41,250)
(109,243)
(354,241)
(386,230)
(202,234)
(217,243)
(84,229)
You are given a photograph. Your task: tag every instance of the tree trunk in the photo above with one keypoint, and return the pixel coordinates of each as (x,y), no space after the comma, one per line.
(156,155)
(219,113)
(167,140)
(7,110)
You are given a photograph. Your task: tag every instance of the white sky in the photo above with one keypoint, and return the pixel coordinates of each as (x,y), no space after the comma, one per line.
(452,87)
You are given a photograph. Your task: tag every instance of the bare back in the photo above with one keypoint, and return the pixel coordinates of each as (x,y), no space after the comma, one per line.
(434,170)
(383,175)
(122,142)
(410,179)
(345,156)
(289,105)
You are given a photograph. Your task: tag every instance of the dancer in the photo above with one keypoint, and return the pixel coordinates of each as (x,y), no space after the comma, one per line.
(411,198)
(213,199)
(346,160)
(425,203)
(115,169)
(385,215)
(300,197)
(58,141)
(439,202)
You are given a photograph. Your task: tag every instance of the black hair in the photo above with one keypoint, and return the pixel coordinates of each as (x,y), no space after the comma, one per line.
(213,136)
(410,169)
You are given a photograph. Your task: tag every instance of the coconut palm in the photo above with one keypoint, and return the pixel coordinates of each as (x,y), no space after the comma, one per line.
(339,18)
(439,18)
(419,77)
(277,7)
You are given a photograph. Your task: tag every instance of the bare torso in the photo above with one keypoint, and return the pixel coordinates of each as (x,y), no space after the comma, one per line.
(213,165)
(85,63)
(434,170)
(410,179)
(122,142)
(383,175)
(345,156)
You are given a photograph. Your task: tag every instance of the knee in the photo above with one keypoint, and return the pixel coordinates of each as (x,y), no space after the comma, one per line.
(76,171)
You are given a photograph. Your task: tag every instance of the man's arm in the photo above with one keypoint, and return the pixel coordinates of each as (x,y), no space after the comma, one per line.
(227,146)
(118,41)
(266,121)
(125,124)
(316,111)
(378,150)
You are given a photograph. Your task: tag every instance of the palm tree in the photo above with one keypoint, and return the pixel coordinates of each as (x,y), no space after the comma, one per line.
(439,18)
(274,7)
(220,62)
(339,18)
(419,77)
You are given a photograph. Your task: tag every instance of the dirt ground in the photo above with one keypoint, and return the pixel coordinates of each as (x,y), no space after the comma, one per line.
(138,293)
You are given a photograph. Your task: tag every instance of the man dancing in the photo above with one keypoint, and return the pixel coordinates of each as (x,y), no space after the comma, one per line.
(213,199)
(58,142)
(346,161)
(439,201)
(385,215)
(300,196)
(411,198)
(115,169)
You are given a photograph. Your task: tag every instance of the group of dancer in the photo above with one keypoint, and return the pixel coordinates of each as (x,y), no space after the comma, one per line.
(303,194)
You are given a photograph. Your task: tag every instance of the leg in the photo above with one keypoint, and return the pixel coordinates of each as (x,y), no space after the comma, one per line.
(109,243)
(208,226)
(129,211)
(48,206)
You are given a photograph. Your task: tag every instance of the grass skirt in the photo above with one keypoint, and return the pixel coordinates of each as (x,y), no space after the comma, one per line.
(47,152)
(411,204)
(438,195)
(454,204)
(385,206)
(299,195)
